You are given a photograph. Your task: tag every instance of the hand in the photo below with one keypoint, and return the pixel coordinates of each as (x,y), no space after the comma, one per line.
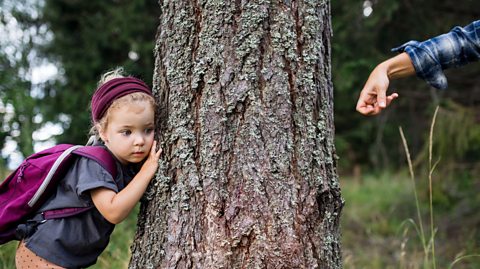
(115,207)
(150,165)
(373,98)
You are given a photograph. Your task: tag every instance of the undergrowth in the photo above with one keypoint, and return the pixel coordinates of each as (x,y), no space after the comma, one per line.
(378,223)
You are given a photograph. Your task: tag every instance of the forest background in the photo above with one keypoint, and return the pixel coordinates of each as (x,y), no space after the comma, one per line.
(53,52)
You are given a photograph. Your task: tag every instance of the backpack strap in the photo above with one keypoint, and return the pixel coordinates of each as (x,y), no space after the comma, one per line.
(100,155)
(64,212)
(103,157)
(51,173)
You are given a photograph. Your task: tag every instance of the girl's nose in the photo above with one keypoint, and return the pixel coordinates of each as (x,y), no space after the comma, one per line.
(139,140)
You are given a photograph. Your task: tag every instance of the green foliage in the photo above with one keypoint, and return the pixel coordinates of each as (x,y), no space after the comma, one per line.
(451,236)
(7,255)
(18,108)
(359,43)
(83,39)
(376,230)
(90,38)
(375,208)
(455,143)
(457,133)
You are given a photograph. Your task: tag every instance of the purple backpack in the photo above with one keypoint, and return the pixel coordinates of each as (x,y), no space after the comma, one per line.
(32,183)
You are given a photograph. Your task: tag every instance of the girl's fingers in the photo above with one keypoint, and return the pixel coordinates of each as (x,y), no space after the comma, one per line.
(153,151)
(154,146)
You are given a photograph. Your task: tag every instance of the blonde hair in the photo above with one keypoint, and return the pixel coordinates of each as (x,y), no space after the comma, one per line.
(124,100)
(118,72)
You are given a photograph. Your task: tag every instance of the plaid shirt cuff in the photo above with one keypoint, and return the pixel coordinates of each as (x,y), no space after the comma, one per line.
(426,66)
(455,48)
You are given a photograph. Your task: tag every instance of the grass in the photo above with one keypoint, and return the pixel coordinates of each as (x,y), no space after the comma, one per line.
(372,218)
(429,260)
(378,231)
(376,237)
(7,255)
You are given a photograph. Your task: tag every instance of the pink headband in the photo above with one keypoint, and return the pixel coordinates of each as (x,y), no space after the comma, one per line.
(112,90)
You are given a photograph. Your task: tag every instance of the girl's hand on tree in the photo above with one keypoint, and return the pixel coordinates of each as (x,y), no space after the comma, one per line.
(115,207)
(150,165)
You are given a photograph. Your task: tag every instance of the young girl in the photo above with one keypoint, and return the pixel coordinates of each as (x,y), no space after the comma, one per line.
(123,122)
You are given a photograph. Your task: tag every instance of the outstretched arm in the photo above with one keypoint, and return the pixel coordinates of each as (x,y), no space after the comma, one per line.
(426,59)
(115,207)
(373,97)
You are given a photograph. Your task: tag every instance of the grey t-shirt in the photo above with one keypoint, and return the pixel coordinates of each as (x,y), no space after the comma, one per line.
(77,241)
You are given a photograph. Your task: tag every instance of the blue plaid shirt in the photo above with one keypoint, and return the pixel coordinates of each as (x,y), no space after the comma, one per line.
(453,49)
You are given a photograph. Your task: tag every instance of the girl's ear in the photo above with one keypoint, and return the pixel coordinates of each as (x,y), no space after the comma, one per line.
(101,132)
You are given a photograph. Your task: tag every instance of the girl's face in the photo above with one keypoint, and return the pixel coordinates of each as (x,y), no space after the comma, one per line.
(129,132)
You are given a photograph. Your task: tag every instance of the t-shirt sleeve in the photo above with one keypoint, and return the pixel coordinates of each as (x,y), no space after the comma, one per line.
(92,175)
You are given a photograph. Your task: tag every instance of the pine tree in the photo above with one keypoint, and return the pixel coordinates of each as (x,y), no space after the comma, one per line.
(248,176)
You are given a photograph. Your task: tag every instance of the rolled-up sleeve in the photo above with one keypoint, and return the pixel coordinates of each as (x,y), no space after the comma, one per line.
(456,48)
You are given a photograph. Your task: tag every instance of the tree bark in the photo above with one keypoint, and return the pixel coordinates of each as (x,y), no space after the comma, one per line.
(248,174)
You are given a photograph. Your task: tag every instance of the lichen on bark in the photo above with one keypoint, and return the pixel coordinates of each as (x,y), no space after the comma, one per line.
(248,173)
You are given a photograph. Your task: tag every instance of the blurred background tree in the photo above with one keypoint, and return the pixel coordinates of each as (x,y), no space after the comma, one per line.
(89,38)
(80,40)
(364,34)
(19,107)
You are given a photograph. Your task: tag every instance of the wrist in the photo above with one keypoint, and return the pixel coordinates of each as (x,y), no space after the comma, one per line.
(399,66)
(147,172)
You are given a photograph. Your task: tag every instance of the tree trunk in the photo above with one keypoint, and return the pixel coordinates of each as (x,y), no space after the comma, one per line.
(248,174)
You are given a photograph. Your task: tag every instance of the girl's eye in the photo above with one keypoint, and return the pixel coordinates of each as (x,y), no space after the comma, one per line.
(126,132)
(148,130)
